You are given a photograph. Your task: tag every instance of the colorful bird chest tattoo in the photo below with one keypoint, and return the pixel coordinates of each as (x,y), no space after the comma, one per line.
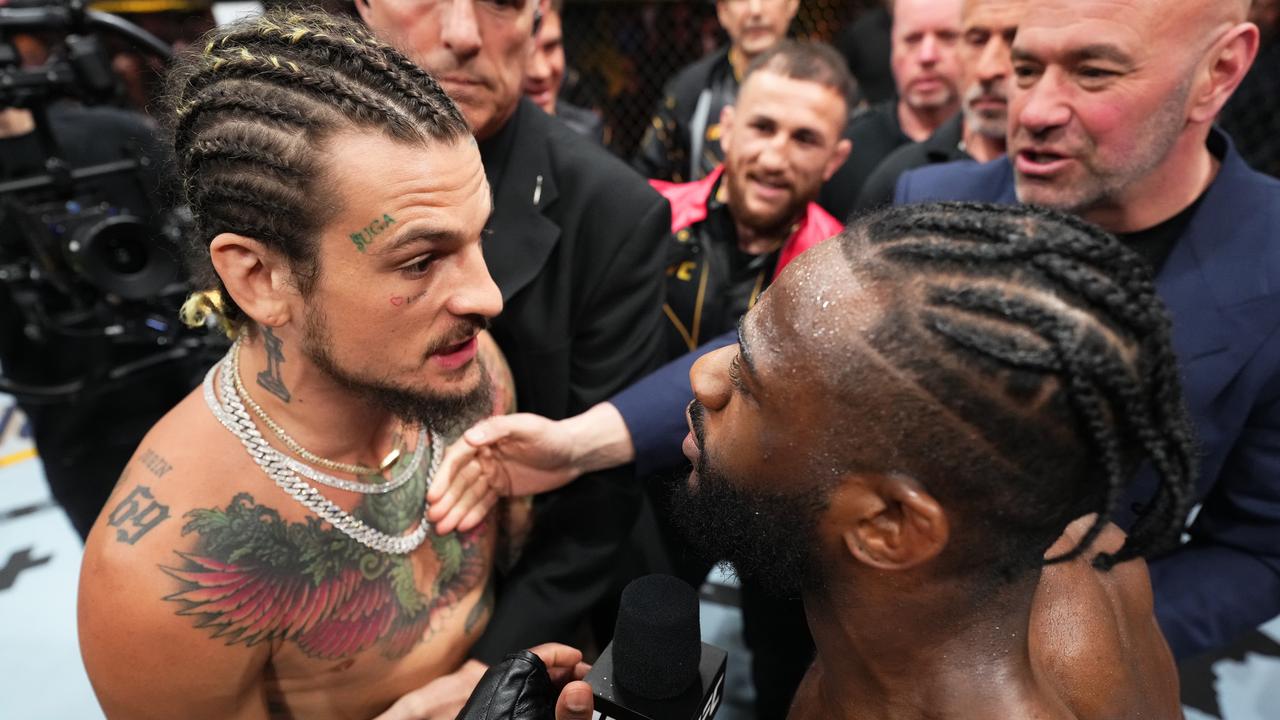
(254,577)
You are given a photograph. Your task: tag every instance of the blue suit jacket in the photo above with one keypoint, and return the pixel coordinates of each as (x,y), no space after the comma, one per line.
(1221,284)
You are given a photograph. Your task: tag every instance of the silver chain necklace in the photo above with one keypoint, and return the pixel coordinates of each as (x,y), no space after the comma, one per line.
(401,476)
(236,419)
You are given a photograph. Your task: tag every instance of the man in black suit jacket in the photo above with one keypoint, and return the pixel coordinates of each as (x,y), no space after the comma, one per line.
(576,248)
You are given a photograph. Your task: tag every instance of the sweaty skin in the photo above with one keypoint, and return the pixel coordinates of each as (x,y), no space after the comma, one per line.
(1072,642)
(1093,639)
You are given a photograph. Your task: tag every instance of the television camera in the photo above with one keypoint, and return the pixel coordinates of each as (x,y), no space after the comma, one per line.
(83,271)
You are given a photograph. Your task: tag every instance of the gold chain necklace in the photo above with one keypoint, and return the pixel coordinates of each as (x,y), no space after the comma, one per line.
(293,444)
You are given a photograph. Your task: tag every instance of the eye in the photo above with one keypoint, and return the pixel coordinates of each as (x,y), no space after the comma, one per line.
(418,267)
(1096,73)
(1025,73)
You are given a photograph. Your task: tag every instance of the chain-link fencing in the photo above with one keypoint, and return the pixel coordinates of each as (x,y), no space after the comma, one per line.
(620,53)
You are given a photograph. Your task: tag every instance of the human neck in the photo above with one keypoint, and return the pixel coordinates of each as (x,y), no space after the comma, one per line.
(15,122)
(982,147)
(324,417)
(919,123)
(755,242)
(739,61)
(1171,187)
(897,653)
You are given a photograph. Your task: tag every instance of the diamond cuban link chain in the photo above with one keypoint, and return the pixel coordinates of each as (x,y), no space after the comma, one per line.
(236,419)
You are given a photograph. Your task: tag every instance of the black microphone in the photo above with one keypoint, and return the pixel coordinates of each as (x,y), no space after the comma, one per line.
(657,667)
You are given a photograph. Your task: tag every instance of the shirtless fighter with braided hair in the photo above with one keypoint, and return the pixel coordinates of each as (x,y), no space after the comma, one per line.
(268,551)
(923,430)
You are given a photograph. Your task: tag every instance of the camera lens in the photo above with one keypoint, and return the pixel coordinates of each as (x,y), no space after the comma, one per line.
(122,255)
(120,247)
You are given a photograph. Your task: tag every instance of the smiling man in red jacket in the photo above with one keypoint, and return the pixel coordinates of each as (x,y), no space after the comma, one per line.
(735,229)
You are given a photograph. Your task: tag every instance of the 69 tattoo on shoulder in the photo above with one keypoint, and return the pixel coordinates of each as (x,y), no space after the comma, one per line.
(255,577)
(137,514)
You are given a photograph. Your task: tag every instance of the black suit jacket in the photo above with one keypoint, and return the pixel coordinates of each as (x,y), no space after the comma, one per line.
(867,44)
(576,249)
(874,133)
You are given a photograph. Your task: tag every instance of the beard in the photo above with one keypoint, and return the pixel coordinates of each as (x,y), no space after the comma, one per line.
(446,413)
(771,538)
(994,127)
(765,223)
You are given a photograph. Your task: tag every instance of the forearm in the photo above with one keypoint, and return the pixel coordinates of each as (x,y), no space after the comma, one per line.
(599,438)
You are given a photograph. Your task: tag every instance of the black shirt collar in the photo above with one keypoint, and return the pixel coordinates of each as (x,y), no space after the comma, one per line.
(1155,244)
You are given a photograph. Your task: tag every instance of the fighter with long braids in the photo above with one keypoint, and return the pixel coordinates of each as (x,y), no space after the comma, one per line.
(923,431)
(269,550)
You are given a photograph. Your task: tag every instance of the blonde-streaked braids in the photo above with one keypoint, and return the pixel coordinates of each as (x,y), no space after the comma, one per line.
(250,104)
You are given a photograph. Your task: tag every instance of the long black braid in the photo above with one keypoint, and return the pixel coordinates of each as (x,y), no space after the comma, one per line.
(1055,314)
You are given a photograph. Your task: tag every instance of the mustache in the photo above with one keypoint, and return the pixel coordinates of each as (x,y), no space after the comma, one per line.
(467,328)
(986,91)
(697,420)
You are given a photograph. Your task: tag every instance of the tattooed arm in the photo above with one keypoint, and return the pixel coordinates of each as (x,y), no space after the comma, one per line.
(144,660)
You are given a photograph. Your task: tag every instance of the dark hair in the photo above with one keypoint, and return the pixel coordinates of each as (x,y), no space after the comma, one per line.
(1037,343)
(807,60)
(250,106)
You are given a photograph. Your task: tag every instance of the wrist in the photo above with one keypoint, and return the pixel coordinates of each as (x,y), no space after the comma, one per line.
(599,439)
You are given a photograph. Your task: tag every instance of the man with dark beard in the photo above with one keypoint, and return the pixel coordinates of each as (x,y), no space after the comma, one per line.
(911,421)
(924,429)
(735,229)
(267,550)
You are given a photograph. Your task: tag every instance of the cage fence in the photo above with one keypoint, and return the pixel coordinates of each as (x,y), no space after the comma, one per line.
(620,53)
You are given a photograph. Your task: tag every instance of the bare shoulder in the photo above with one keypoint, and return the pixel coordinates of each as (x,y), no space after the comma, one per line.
(499,370)
(1094,634)
(129,624)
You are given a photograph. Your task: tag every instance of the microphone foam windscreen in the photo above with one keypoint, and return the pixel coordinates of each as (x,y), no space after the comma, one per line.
(657,642)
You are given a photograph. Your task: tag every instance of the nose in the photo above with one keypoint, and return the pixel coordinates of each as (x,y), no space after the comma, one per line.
(773,154)
(709,377)
(539,68)
(1041,106)
(460,32)
(994,61)
(755,7)
(475,291)
(929,49)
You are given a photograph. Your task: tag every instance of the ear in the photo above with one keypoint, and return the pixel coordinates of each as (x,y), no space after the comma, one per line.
(726,127)
(1228,62)
(363,8)
(256,277)
(838,157)
(890,522)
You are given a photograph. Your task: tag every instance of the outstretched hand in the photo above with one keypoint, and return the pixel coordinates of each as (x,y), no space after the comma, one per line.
(521,454)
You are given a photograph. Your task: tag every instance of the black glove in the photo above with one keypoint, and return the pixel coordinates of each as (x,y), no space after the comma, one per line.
(518,688)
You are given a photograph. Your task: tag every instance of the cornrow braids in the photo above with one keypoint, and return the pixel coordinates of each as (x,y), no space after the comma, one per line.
(251,104)
(1020,315)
